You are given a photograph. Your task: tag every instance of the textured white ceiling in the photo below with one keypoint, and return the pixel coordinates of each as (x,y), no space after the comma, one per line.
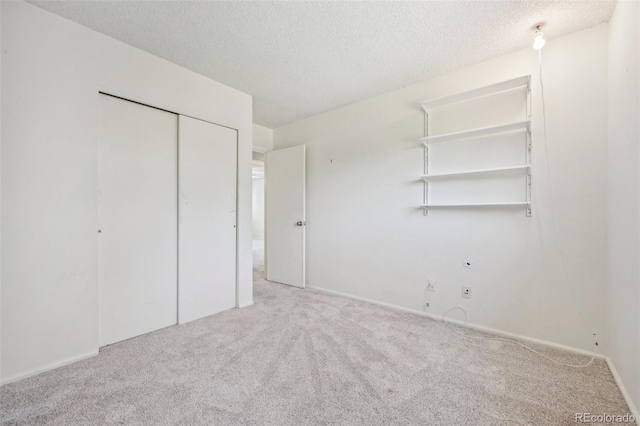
(302,58)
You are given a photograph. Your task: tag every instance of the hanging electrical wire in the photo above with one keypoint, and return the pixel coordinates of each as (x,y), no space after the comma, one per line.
(538,43)
(513,341)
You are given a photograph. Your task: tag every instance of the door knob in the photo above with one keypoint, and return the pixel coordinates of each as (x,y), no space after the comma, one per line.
(300,223)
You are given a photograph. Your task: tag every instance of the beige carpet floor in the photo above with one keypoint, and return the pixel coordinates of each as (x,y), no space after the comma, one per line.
(302,357)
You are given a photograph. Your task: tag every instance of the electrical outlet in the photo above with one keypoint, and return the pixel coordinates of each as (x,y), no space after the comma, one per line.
(466,292)
(431,286)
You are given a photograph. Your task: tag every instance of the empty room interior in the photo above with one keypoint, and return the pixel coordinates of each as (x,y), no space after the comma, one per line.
(319,212)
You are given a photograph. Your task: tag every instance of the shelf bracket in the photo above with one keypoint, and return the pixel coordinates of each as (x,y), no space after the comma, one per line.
(425,210)
(475,133)
(529,146)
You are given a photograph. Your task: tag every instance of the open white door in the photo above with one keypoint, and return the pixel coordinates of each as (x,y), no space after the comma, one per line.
(285,216)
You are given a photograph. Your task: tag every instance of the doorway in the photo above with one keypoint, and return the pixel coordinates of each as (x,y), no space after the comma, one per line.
(258,209)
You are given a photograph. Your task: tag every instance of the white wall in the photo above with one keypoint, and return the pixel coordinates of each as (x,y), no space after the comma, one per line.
(1,55)
(258,209)
(367,237)
(623,224)
(52,70)
(262,138)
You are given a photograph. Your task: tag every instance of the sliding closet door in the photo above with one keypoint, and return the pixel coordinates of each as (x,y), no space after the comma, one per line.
(137,219)
(207,233)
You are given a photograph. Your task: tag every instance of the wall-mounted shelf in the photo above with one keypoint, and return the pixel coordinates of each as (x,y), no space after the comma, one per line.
(474,133)
(477,171)
(489,204)
(477,93)
(486,132)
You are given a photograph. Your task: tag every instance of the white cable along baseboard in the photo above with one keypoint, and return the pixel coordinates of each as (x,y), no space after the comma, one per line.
(502,333)
(468,325)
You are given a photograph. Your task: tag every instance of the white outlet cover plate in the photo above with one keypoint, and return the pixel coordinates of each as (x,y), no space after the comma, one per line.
(466,292)
(432,285)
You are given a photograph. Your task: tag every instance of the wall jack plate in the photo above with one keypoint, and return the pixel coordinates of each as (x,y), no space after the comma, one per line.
(466,292)
(431,286)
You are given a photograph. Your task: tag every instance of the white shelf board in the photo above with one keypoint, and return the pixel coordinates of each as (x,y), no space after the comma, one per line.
(476,93)
(503,203)
(483,131)
(471,172)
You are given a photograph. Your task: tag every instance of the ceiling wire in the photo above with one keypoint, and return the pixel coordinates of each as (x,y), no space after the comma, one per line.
(562,257)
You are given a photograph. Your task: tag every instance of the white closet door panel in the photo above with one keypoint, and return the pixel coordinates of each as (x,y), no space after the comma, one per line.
(207,250)
(137,219)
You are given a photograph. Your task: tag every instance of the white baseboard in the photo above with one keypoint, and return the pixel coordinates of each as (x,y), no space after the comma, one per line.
(623,389)
(468,325)
(614,372)
(52,366)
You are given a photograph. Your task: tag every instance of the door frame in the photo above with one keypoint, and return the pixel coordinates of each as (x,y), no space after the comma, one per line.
(106,92)
(262,150)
